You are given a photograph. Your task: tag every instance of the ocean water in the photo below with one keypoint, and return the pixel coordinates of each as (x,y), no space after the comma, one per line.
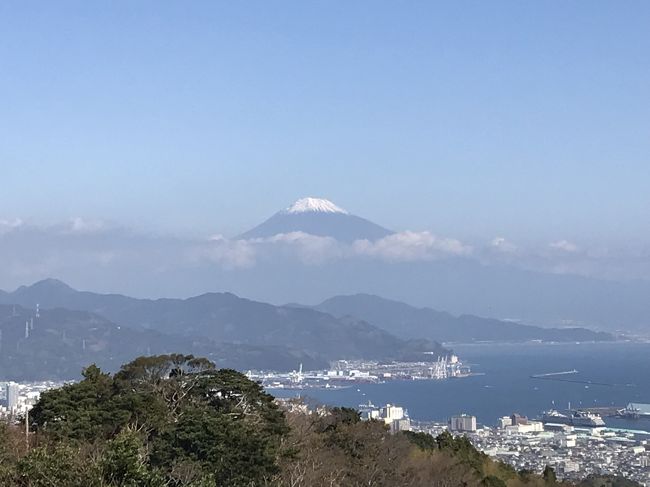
(618,373)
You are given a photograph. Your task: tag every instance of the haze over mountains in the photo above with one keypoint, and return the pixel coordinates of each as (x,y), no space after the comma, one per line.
(437,272)
(315,249)
(408,321)
(75,328)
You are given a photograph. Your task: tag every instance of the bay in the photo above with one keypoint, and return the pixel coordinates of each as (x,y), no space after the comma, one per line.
(616,374)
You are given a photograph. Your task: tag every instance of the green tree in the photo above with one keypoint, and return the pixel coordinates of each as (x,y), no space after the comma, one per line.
(424,441)
(493,481)
(234,453)
(60,465)
(84,411)
(124,463)
(229,426)
(202,426)
(11,447)
(549,475)
(461,448)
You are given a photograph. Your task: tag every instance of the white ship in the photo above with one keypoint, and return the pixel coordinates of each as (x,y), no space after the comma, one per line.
(573,418)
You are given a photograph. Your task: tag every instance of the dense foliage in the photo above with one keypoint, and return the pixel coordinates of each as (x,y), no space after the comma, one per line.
(175,420)
(164,420)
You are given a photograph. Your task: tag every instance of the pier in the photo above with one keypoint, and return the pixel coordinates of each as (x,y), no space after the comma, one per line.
(560,377)
(553,374)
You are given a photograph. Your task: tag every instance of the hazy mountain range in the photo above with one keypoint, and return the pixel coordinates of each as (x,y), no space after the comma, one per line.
(75,328)
(60,342)
(408,321)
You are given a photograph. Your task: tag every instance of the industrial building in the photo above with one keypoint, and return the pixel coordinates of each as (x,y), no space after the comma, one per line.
(637,410)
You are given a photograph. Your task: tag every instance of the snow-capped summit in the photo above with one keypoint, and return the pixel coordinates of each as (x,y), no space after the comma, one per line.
(304,205)
(321,217)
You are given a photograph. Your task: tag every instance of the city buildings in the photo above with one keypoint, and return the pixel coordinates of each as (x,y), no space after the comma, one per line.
(462,423)
(12,391)
(573,452)
(19,398)
(504,421)
(396,417)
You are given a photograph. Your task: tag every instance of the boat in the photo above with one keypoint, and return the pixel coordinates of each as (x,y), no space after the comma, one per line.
(573,418)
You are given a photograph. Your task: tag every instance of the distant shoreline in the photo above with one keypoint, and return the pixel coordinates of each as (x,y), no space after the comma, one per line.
(543,342)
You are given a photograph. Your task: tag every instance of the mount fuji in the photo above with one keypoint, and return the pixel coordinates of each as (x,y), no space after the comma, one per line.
(321,217)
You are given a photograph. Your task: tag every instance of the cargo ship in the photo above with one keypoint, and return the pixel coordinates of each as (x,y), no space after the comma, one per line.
(573,418)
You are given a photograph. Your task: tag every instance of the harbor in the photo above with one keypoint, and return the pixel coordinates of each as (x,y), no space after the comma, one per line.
(347,373)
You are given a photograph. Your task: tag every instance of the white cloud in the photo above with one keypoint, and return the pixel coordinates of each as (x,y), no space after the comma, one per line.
(7,226)
(411,246)
(564,245)
(231,254)
(82,225)
(311,249)
(32,251)
(502,245)
(315,250)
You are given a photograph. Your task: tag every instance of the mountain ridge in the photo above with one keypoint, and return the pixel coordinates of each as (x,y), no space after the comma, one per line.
(226,318)
(406,321)
(60,342)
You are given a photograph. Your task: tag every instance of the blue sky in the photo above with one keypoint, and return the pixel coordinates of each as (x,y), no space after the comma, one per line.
(528,120)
